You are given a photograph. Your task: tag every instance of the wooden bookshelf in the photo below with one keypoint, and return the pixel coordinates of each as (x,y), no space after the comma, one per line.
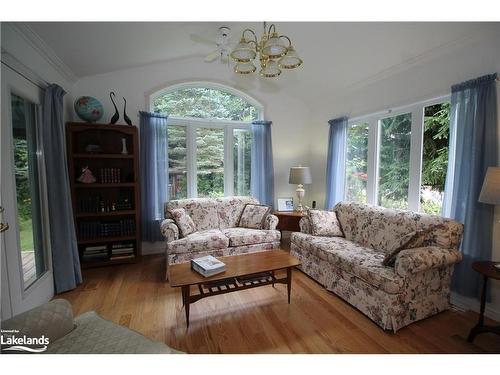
(107,211)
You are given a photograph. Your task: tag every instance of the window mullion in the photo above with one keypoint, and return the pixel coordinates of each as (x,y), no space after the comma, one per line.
(228,161)
(192,182)
(416,144)
(372,171)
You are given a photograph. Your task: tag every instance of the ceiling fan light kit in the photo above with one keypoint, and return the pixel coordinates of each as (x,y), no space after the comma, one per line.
(275,53)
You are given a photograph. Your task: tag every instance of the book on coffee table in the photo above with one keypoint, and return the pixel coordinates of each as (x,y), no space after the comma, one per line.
(207,265)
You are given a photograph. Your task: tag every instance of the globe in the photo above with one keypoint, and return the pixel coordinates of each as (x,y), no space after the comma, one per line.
(88,108)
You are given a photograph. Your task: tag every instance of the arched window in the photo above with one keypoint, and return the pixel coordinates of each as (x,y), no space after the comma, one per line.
(209,139)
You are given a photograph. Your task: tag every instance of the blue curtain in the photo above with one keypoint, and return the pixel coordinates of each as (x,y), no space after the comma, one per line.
(154,173)
(336,159)
(65,259)
(474,147)
(262,170)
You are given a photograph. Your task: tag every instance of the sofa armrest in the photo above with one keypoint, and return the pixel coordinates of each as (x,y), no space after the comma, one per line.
(423,258)
(53,319)
(169,230)
(305,225)
(271,222)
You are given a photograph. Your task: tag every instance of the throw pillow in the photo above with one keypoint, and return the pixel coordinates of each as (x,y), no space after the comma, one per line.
(324,223)
(183,220)
(253,216)
(408,241)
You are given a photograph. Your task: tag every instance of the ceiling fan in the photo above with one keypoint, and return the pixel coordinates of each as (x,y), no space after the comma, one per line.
(222,41)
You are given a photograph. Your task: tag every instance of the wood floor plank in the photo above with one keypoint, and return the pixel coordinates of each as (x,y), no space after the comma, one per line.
(260,320)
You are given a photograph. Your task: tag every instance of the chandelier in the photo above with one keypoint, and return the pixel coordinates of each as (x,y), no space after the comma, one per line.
(275,53)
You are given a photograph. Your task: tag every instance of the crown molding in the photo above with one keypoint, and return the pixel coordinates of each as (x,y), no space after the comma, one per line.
(37,43)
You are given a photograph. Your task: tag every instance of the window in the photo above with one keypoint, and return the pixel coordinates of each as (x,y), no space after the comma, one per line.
(434,157)
(177,160)
(28,193)
(209,140)
(357,162)
(394,161)
(401,160)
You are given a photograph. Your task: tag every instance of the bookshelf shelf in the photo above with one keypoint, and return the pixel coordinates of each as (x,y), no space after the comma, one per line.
(104,186)
(105,214)
(99,240)
(107,211)
(102,156)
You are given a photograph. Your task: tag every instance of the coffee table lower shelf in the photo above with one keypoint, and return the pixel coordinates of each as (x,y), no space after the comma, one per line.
(233,284)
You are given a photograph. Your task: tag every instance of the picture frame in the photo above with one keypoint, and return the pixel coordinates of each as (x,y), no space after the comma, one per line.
(285,204)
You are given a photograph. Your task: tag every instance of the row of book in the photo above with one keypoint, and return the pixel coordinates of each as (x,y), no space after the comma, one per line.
(122,251)
(110,175)
(95,203)
(96,229)
(103,252)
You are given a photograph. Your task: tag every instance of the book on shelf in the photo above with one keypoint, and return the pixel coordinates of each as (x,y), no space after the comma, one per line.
(208,266)
(121,257)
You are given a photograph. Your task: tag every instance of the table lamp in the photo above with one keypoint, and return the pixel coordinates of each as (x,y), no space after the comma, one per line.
(300,176)
(490,193)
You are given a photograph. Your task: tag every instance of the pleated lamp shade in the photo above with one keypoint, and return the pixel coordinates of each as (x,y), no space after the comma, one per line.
(300,176)
(490,193)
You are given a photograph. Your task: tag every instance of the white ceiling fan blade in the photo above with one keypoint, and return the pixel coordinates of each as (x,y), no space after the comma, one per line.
(212,56)
(201,39)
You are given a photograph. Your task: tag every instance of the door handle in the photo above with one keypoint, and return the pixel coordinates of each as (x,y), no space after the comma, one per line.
(3,227)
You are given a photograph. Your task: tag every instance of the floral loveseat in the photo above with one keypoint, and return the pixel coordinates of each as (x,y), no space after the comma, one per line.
(417,286)
(217,232)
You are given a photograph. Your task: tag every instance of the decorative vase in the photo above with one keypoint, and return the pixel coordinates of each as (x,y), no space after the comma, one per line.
(124,146)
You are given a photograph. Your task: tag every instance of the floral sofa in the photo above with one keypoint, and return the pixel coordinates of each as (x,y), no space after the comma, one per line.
(416,287)
(217,232)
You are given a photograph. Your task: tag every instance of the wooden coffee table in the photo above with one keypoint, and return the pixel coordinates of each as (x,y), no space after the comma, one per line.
(242,272)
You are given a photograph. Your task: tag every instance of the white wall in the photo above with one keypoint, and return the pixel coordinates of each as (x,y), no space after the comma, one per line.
(432,77)
(289,115)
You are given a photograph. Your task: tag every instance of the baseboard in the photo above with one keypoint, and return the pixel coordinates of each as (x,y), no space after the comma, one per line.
(149,248)
(467,303)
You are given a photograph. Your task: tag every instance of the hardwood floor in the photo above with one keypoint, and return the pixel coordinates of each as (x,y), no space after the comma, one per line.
(260,320)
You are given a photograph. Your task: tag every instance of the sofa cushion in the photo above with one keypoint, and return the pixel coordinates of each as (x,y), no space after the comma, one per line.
(253,216)
(199,241)
(203,211)
(377,227)
(183,221)
(245,236)
(362,262)
(324,223)
(229,210)
(403,242)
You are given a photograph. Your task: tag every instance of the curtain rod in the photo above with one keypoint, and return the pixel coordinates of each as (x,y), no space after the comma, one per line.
(25,77)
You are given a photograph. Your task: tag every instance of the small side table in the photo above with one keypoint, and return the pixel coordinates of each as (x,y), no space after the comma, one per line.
(289,220)
(487,269)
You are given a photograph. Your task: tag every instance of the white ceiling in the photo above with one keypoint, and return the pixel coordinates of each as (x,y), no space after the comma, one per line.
(336,55)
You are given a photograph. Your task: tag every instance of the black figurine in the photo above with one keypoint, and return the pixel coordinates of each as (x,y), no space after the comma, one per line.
(116,116)
(125,117)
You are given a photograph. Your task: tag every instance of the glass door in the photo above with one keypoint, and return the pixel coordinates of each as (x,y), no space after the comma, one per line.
(26,244)
(27,172)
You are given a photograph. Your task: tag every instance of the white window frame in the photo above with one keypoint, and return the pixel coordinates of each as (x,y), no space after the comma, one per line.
(416,147)
(192,124)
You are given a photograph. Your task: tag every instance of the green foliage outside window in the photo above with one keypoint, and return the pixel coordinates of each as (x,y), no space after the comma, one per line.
(394,160)
(202,102)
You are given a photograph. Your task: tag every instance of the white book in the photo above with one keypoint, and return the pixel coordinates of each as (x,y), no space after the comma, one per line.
(208,263)
(208,266)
